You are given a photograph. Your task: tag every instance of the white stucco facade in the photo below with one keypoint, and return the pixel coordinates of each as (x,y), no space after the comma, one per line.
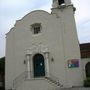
(57,42)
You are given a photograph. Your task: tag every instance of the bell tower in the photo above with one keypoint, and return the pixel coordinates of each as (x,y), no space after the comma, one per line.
(64,11)
(58,3)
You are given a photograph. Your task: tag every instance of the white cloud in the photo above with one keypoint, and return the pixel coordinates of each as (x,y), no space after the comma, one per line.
(82,16)
(82,12)
(13,3)
(46,7)
(2,45)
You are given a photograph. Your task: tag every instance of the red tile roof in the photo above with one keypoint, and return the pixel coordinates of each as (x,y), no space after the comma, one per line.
(85,50)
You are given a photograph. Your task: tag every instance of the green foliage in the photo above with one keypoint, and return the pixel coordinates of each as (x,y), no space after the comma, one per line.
(87,82)
(2,72)
(2,65)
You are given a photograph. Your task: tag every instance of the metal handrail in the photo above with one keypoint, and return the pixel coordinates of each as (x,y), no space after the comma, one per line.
(19,79)
(53,79)
(24,76)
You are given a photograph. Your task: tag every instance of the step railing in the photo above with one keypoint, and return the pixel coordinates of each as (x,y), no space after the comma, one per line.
(53,79)
(19,79)
(26,76)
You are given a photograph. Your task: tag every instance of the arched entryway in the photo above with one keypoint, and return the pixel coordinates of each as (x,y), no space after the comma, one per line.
(38,65)
(87,68)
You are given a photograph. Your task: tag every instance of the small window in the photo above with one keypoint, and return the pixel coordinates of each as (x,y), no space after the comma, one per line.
(61,2)
(36,28)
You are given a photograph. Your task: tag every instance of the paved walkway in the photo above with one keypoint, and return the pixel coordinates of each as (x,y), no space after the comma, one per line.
(82,88)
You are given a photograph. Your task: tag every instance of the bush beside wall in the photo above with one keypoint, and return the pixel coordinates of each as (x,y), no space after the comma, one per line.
(87,82)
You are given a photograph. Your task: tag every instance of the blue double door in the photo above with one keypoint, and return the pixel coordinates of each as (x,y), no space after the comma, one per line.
(38,65)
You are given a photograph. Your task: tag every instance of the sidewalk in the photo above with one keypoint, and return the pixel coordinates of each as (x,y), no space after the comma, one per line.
(82,88)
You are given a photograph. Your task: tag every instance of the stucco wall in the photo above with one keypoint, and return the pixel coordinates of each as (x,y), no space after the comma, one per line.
(58,34)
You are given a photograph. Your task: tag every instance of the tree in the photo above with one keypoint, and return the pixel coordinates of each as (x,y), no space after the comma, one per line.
(2,73)
(2,65)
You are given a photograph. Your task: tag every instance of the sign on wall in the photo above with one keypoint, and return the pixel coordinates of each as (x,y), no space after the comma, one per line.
(73,63)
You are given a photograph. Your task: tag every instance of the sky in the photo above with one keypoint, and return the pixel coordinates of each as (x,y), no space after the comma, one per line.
(12,10)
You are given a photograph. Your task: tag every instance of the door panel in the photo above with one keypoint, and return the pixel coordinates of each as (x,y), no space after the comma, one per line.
(87,69)
(38,65)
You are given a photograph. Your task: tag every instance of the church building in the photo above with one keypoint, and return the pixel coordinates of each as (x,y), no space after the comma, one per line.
(42,50)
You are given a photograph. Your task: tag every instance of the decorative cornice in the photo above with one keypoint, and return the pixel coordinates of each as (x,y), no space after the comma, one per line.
(37,49)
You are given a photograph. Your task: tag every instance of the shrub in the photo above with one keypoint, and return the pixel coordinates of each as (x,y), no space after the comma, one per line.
(87,82)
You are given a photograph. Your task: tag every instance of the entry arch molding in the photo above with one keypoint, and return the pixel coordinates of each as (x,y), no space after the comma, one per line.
(42,50)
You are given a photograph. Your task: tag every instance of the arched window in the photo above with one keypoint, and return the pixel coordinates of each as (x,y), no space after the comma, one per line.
(61,2)
(87,68)
(38,65)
